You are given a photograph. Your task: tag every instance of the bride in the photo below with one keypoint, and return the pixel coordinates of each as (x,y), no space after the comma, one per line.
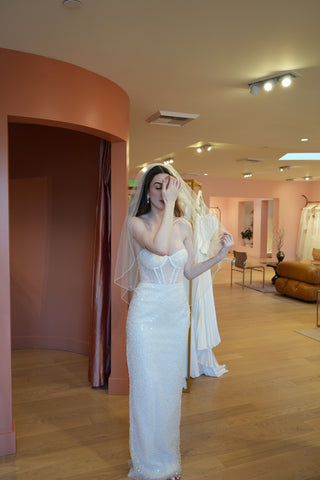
(155,256)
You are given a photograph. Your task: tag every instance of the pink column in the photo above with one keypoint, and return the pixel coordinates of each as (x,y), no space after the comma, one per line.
(7,433)
(118,380)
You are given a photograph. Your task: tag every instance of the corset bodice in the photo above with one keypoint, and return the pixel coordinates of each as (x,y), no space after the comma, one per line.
(162,270)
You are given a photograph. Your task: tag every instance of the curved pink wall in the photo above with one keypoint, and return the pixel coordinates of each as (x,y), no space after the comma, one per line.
(35,89)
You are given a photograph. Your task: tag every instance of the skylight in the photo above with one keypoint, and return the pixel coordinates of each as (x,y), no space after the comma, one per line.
(301,156)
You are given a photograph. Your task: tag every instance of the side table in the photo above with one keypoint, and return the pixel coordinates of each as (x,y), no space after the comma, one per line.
(274,266)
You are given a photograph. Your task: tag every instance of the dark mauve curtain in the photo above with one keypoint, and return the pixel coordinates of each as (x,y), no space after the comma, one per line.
(100,331)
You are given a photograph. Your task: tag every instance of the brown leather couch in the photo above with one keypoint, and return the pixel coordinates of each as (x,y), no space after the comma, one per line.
(298,280)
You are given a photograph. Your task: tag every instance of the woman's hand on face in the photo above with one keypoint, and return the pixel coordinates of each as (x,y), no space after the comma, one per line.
(170,189)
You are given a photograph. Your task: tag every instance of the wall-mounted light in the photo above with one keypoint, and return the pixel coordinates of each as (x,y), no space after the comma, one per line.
(269,82)
(247,175)
(204,148)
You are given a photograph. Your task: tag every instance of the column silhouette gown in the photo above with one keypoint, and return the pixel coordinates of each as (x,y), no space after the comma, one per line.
(157,332)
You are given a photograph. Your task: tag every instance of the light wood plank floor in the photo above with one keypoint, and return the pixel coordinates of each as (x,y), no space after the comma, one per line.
(261,421)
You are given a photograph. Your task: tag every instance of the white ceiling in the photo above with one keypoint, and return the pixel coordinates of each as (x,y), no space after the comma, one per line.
(193,56)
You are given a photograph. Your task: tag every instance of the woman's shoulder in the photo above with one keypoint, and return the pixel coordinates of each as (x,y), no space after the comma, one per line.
(183,223)
(137,222)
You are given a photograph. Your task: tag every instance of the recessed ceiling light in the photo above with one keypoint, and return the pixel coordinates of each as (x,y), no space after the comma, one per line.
(304,139)
(72,3)
(307,177)
(205,174)
(247,175)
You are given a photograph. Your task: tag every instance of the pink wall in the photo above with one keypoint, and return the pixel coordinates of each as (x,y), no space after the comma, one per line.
(226,193)
(53,191)
(40,90)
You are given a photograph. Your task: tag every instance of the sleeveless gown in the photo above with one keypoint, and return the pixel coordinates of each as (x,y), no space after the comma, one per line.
(157,333)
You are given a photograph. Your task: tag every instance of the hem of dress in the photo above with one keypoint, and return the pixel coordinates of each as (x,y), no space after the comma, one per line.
(139,476)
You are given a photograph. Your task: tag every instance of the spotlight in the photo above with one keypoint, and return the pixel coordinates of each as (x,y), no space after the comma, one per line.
(269,82)
(285,167)
(307,178)
(204,148)
(168,161)
(247,175)
(255,88)
(286,80)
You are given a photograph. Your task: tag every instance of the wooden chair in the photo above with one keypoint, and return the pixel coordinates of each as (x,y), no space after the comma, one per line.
(239,264)
(316,256)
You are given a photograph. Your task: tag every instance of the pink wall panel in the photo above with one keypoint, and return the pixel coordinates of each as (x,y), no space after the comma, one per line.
(52,220)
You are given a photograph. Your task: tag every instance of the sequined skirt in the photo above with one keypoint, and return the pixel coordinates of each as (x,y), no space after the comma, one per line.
(157,332)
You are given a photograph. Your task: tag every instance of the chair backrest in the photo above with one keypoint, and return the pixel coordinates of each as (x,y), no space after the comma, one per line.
(240,259)
(316,254)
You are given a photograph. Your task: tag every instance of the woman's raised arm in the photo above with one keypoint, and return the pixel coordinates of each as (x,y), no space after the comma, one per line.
(192,269)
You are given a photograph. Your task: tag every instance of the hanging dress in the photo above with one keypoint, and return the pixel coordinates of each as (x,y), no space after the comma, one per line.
(204,329)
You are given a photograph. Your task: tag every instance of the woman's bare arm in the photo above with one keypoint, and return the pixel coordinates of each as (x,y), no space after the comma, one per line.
(192,269)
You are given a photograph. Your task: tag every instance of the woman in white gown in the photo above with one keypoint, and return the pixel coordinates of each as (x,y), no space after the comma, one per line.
(156,244)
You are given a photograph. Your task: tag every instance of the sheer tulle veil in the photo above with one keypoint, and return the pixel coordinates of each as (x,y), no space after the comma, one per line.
(126,271)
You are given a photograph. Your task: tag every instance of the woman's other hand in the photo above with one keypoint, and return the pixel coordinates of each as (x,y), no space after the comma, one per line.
(226,242)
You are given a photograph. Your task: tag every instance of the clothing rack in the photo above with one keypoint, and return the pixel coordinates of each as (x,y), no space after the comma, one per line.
(193,184)
(308,202)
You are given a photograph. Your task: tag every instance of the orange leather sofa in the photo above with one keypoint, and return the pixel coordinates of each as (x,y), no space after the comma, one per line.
(298,280)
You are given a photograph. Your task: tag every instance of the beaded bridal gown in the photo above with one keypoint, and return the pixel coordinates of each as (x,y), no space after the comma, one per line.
(157,333)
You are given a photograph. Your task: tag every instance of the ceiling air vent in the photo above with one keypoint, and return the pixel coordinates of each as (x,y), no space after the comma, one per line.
(171,119)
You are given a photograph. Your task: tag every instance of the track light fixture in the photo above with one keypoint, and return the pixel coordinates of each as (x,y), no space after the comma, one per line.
(285,167)
(204,148)
(269,82)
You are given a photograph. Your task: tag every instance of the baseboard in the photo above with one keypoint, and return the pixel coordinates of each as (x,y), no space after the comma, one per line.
(50,343)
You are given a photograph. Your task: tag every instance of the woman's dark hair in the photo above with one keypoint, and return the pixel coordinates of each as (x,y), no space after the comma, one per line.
(144,206)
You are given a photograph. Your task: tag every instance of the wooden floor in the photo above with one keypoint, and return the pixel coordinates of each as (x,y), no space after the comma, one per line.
(261,421)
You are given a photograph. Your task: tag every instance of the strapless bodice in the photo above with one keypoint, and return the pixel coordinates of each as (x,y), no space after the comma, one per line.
(162,269)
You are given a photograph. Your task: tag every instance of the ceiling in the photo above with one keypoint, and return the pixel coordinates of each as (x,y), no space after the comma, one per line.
(193,56)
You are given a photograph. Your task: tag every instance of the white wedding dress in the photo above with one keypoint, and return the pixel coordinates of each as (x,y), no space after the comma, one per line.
(157,334)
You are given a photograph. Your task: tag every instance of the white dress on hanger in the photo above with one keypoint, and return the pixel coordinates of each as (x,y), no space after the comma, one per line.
(157,334)
(309,231)
(204,328)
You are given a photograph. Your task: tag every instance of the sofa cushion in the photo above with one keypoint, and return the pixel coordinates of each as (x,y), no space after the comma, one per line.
(294,288)
(299,271)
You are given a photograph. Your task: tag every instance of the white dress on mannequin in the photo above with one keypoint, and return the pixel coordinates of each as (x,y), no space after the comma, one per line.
(157,332)
(204,329)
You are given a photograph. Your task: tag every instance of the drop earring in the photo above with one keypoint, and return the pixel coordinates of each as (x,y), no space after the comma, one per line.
(148,198)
